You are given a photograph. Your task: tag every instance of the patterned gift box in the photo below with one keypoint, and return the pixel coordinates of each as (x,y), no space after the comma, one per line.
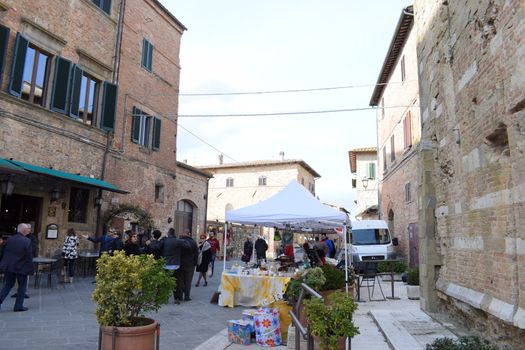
(239,332)
(267,330)
(248,315)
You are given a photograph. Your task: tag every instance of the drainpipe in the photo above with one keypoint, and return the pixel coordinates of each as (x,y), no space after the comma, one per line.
(206,208)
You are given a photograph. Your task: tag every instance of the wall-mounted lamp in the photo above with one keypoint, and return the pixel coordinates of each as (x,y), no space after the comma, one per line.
(55,195)
(365,182)
(170,220)
(7,187)
(98,201)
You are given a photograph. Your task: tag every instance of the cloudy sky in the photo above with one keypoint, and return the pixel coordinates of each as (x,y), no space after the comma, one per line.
(234,46)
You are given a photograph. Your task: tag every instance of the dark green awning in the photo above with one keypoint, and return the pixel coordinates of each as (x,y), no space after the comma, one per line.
(84,180)
(9,167)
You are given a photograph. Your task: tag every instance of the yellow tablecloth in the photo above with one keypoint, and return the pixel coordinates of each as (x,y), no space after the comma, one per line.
(251,290)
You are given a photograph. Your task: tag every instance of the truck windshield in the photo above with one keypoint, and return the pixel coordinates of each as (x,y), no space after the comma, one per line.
(370,236)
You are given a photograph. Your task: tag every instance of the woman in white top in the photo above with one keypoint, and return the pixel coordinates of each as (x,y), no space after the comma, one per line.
(70,254)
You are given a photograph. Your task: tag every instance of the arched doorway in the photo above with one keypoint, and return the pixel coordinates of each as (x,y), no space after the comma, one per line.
(391,223)
(183,216)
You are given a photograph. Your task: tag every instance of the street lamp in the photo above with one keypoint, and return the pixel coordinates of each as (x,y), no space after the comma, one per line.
(365,182)
(7,187)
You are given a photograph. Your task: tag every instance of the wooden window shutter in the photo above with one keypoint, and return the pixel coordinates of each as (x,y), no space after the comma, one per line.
(156,134)
(384,158)
(408,128)
(17,68)
(150,56)
(59,96)
(135,125)
(109,106)
(76,82)
(4,40)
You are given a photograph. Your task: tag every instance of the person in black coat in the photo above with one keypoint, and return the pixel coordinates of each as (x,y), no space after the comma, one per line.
(247,251)
(132,246)
(190,255)
(260,248)
(154,245)
(17,263)
(172,251)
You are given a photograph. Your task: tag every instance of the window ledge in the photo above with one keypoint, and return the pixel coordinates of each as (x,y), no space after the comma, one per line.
(144,149)
(99,10)
(93,63)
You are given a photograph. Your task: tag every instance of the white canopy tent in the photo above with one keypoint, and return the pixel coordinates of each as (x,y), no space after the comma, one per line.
(294,206)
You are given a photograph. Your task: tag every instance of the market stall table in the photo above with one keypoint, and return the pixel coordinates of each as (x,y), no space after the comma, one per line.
(251,290)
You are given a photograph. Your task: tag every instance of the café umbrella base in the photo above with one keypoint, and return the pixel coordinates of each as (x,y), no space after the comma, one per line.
(145,337)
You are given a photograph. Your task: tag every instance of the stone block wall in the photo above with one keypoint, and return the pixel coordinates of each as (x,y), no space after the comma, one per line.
(471,58)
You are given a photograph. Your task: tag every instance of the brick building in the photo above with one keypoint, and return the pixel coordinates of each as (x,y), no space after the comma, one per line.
(471,59)
(363,166)
(67,96)
(398,136)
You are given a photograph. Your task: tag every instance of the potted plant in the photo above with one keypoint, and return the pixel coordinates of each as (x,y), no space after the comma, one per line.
(386,268)
(127,287)
(413,283)
(335,280)
(312,277)
(331,323)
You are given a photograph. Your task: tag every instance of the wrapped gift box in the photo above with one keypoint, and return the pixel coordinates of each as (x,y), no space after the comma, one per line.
(267,331)
(239,332)
(248,315)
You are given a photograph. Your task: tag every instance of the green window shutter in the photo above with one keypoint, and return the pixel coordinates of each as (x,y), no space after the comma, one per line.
(76,82)
(156,134)
(61,85)
(145,53)
(4,40)
(17,68)
(109,106)
(135,125)
(150,56)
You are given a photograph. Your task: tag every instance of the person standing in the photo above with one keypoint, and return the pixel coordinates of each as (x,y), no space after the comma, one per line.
(329,244)
(215,247)
(107,241)
(321,249)
(17,263)
(172,252)
(190,254)
(154,245)
(260,248)
(204,259)
(132,246)
(247,251)
(70,254)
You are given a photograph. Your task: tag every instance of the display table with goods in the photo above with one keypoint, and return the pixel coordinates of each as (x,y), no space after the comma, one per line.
(252,286)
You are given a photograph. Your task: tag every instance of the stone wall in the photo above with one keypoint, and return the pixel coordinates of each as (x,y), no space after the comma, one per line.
(471,58)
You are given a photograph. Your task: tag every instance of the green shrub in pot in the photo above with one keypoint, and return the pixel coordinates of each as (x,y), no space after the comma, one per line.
(413,277)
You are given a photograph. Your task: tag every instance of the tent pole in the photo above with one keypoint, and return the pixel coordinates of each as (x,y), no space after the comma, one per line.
(254,258)
(346,256)
(224,247)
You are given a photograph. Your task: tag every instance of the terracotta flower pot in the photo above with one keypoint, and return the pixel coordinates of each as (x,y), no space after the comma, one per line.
(130,338)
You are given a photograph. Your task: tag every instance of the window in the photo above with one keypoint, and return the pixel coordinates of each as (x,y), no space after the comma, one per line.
(4,40)
(392,149)
(29,72)
(403,72)
(311,187)
(262,181)
(78,202)
(147,54)
(407,130)
(105,5)
(302,181)
(371,171)
(159,193)
(88,99)
(229,182)
(384,159)
(408,193)
(354,183)
(382,106)
(145,129)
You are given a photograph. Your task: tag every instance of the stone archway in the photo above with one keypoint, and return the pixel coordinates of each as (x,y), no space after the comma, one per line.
(184,216)
(128,214)
(391,226)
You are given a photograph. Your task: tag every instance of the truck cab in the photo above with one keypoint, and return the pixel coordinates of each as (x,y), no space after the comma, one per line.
(371,240)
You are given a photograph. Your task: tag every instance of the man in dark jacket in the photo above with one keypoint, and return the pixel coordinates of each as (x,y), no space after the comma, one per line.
(107,241)
(260,248)
(172,251)
(190,255)
(17,263)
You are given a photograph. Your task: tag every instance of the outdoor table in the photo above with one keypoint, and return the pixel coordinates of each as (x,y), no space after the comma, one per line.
(251,290)
(391,273)
(87,261)
(40,260)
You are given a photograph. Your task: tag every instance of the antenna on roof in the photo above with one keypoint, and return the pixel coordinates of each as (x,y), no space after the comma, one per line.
(221,158)
(282,155)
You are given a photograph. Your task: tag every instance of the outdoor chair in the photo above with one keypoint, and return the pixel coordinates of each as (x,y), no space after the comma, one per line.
(368,274)
(50,270)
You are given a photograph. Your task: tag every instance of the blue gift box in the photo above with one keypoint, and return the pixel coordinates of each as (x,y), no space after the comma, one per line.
(239,332)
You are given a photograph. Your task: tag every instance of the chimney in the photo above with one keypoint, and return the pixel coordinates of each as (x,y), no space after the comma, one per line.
(282,155)
(185,161)
(221,157)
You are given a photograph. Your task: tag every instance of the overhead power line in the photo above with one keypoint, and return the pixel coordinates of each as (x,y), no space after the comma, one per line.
(291,90)
(283,113)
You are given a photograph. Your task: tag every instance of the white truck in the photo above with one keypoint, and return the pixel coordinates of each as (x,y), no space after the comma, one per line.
(371,241)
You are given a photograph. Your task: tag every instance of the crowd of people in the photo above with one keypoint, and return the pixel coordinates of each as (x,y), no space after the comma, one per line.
(183,256)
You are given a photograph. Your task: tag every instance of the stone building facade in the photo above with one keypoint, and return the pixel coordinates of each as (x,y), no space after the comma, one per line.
(396,97)
(84,111)
(237,185)
(471,58)
(363,166)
